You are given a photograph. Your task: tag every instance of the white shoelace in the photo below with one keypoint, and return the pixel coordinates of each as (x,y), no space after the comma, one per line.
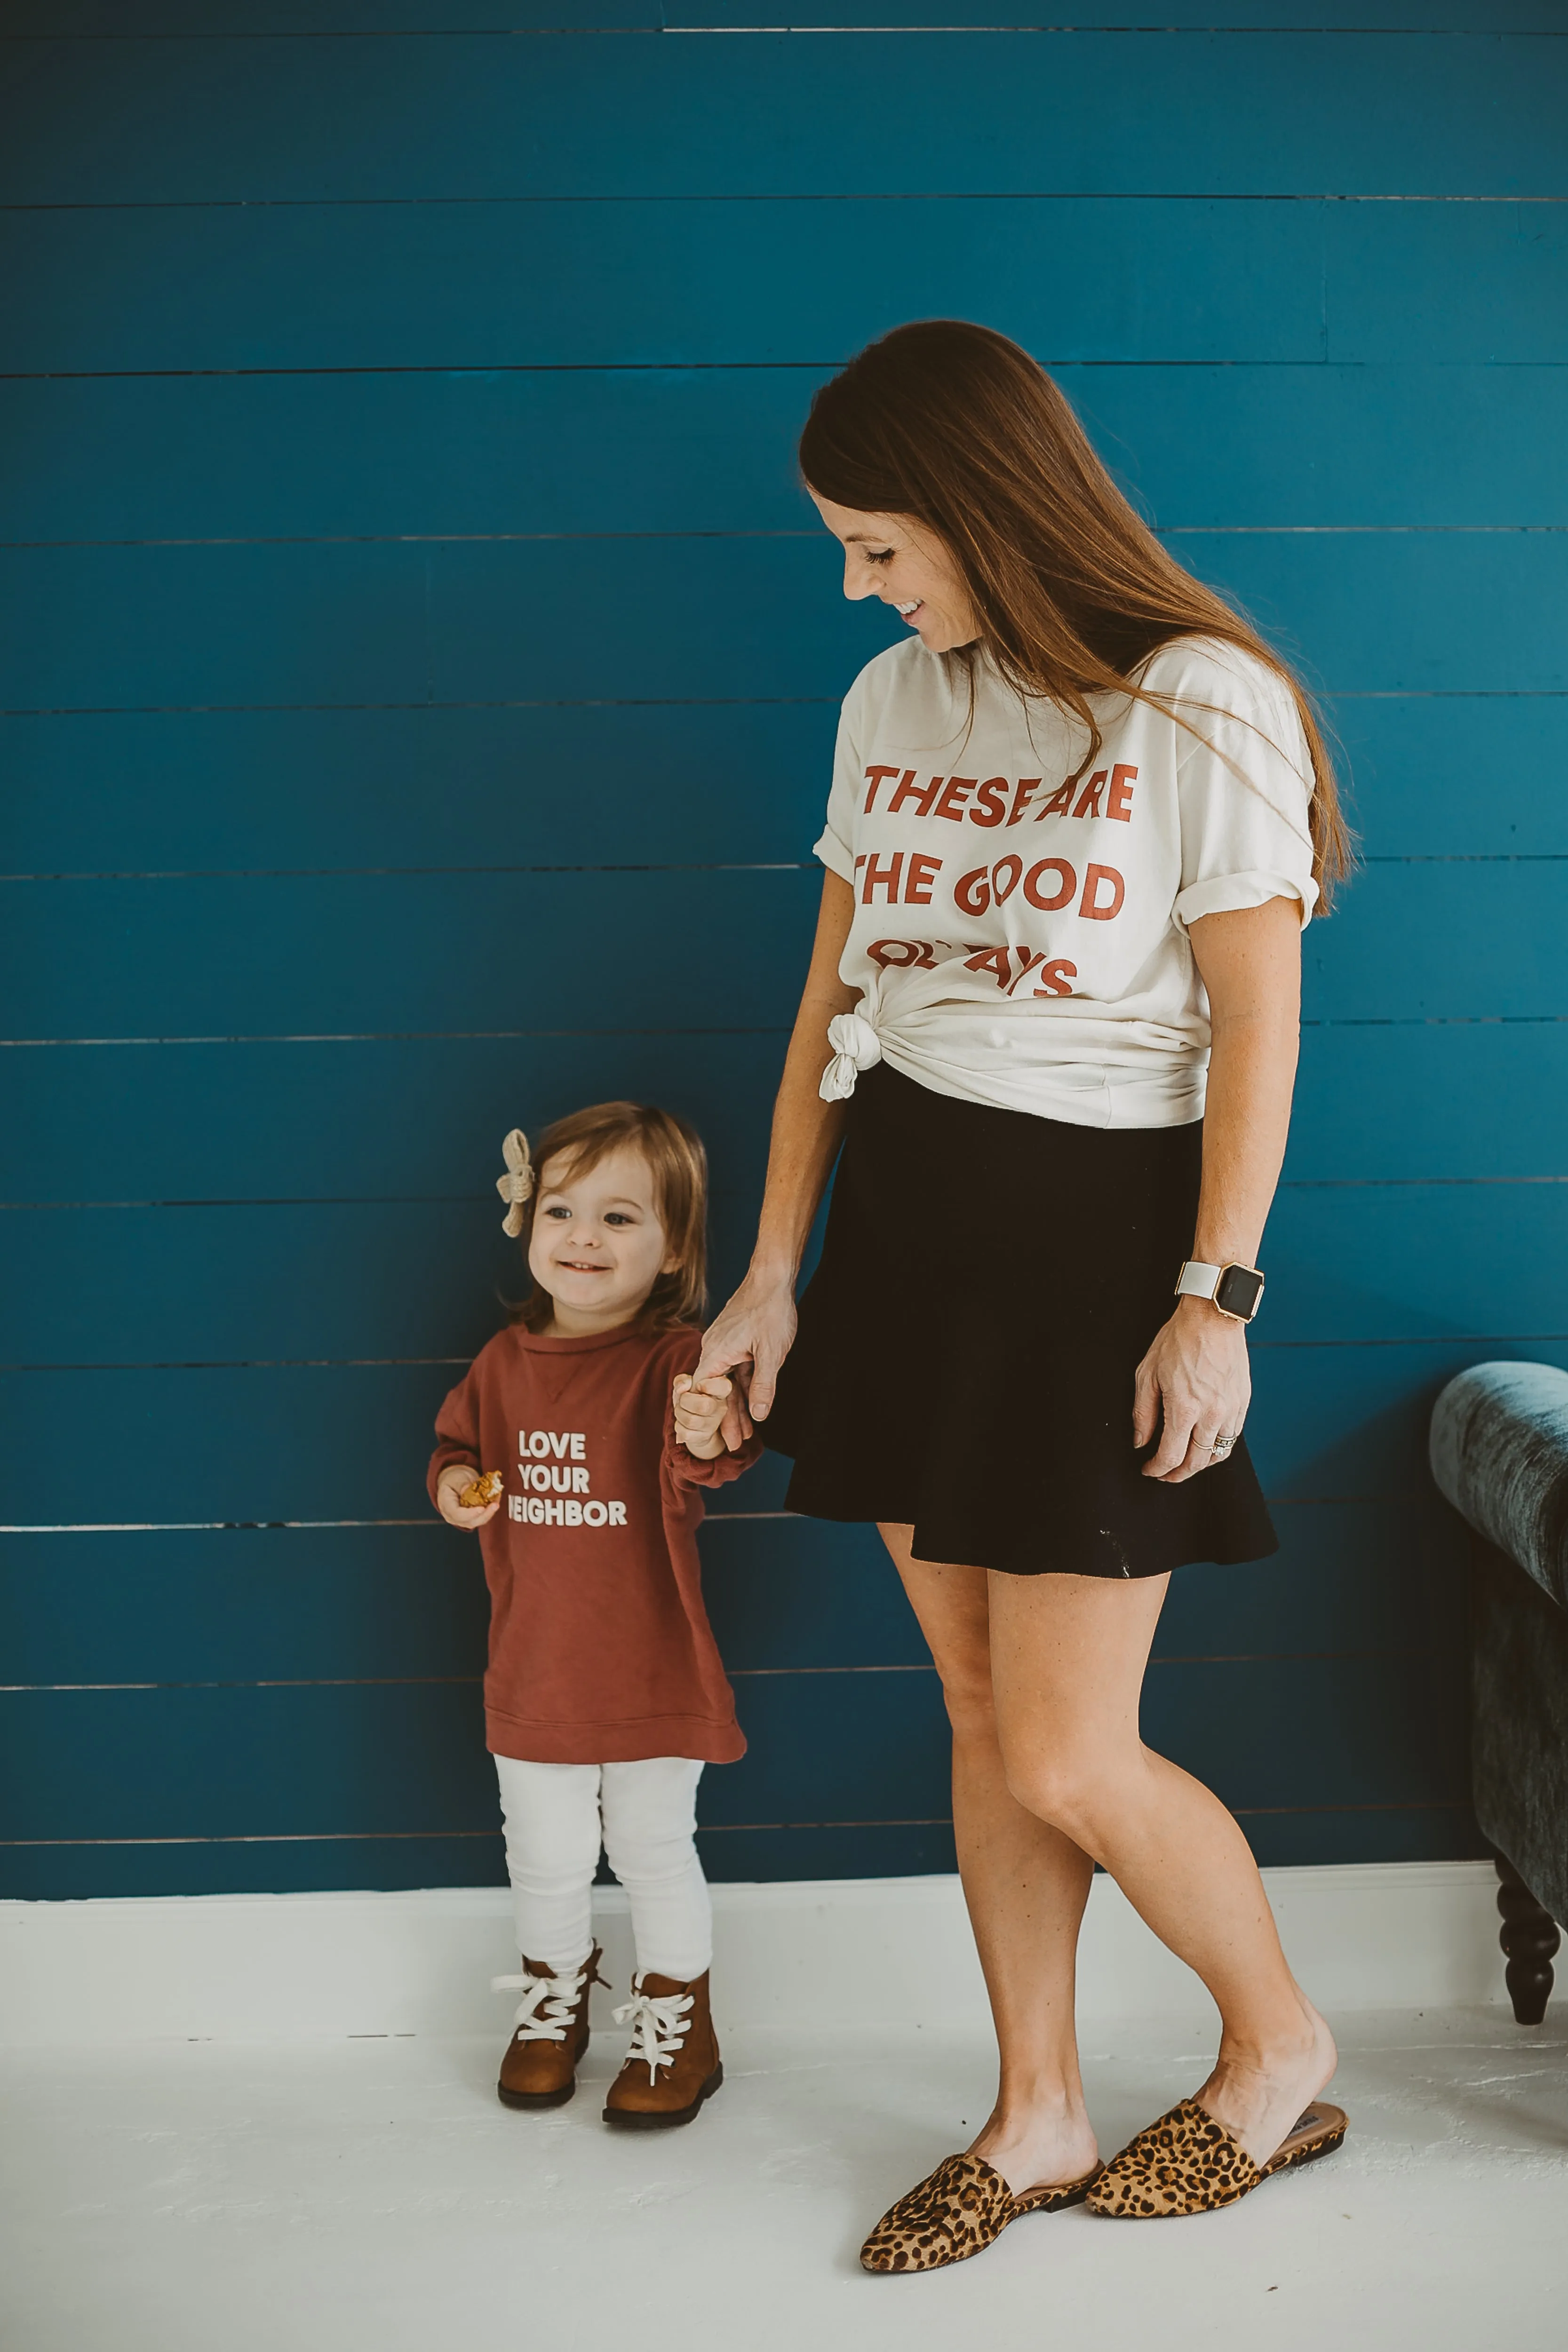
(659,2023)
(545,2011)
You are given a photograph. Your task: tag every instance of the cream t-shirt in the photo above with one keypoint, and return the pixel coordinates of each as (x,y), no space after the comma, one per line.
(1021,941)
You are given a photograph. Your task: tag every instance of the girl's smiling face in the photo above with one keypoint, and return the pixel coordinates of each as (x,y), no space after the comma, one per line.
(897,559)
(598,1244)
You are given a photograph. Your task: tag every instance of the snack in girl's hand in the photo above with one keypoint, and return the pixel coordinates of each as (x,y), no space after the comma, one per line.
(480,1491)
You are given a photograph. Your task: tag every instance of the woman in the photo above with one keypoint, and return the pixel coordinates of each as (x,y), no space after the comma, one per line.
(1051,1015)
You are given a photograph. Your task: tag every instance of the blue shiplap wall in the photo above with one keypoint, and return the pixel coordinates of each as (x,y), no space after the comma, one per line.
(420,674)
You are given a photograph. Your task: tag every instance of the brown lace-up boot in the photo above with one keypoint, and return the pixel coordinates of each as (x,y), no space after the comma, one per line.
(673,2064)
(550,2033)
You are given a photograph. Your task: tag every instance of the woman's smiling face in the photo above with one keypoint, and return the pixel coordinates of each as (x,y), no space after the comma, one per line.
(895,557)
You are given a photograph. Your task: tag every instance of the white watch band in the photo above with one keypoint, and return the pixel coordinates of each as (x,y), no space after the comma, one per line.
(1198,1280)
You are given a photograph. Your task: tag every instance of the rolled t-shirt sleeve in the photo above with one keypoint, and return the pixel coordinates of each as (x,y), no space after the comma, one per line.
(1245,836)
(836,848)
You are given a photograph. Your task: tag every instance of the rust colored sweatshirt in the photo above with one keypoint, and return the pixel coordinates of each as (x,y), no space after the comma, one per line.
(601,1651)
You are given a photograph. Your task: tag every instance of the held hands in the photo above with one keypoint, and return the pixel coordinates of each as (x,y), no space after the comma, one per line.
(1194,1386)
(699,1408)
(752,1337)
(449,1486)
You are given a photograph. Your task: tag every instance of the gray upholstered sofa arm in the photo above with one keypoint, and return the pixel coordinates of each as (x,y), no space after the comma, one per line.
(1499,1454)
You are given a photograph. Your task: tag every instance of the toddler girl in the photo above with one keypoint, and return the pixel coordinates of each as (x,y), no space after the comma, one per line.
(605,1694)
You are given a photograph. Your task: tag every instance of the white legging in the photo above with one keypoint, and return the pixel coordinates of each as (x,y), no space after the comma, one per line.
(555,1816)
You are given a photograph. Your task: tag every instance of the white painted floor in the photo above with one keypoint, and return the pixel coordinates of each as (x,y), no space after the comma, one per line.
(373,2194)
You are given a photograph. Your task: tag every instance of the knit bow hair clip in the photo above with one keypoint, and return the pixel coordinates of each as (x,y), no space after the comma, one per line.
(516,1187)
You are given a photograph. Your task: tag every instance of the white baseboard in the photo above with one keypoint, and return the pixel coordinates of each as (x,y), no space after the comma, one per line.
(267,1968)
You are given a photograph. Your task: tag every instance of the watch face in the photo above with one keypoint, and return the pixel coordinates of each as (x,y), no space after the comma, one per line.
(1238,1292)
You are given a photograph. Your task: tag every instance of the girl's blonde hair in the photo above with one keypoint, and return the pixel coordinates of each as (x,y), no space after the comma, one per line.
(679,1165)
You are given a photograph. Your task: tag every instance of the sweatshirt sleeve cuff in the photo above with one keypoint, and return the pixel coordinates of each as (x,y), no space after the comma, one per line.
(442,1459)
(687,1470)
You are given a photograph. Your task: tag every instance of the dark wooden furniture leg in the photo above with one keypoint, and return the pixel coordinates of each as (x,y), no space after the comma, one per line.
(1530,1938)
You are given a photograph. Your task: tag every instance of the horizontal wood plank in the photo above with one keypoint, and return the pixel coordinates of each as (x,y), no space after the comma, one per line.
(318,1121)
(1386,444)
(341,955)
(1372,612)
(283,1444)
(1354,1421)
(1489,283)
(281,1283)
(1445,775)
(1451,941)
(351,1443)
(1409,1262)
(184,791)
(1435,1102)
(855,1748)
(424,953)
(119,19)
(488,622)
(786,1595)
(969,114)
(453,622)
(1486,17)
(1375,1103)
(660,284)
(446,452)
(562,284)
(278,1283)
(366,1758)
(1428,1831)
(244,1605)
(64,1871)
(1448,775)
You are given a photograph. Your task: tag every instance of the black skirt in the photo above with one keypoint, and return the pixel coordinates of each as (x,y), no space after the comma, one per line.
(989,1282)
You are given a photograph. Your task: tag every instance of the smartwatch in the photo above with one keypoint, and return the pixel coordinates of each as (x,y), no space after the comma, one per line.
(1236,1290)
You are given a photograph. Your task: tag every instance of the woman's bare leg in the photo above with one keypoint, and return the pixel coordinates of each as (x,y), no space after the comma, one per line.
(1025,1884)
(1068,1655)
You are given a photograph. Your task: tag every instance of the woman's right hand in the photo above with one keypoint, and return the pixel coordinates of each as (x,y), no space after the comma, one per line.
(748,1341)
(751,1338)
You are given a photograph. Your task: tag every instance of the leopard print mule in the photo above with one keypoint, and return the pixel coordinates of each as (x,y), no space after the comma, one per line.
(960,2210)
(1188,2163)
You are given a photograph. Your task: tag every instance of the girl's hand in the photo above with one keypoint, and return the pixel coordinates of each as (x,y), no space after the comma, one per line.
(449,1486)
(751,1336)
(1194,1385)
(699,1407)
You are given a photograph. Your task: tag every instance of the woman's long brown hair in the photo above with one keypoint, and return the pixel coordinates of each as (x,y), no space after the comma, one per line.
(958,427)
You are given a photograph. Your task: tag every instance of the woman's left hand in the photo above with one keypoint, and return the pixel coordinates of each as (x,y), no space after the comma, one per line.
(1194,1386)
